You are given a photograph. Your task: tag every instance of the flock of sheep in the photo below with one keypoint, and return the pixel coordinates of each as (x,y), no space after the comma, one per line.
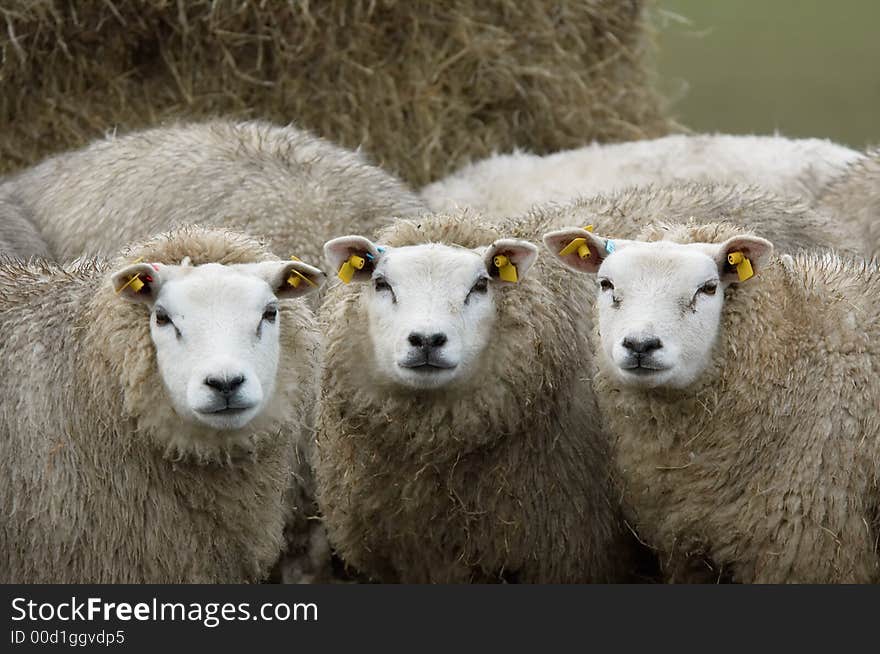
(656,360)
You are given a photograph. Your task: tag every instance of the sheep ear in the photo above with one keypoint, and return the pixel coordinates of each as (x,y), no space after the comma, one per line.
(289,279)
(509,259)
(139,282)
(578,249)
(352,258)
(742,257)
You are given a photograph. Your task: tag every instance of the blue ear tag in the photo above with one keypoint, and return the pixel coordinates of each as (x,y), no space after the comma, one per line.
(380,248)
(369,256)
(609,246)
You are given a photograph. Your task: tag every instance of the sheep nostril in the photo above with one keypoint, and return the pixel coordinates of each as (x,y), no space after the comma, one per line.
(225,385)
(416,340)
(437,340)
(642,345)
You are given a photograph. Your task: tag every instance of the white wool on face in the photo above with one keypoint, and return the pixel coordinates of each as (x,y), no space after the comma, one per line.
(511,184)
(216,333)
(429,294)
(664,299)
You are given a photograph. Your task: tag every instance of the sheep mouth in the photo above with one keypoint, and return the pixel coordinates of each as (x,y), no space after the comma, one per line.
(226,411)
(426,364)
(643,368)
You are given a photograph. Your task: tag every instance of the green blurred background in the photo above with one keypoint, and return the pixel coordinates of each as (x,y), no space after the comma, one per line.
(802,67)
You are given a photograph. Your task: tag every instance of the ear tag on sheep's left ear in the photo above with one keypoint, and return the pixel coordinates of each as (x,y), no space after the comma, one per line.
(296,277)
(609,246)
(506,270)
(743,265)
(347,269)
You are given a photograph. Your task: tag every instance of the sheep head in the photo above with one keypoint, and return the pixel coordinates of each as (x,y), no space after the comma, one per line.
(431,307)
(215,329)
(659,303)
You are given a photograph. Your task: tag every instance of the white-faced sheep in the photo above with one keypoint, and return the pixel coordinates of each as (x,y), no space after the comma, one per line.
(280,183)
(452,442)
(154,414)
(18,237)
(508,185)
(854,198)
(742,391)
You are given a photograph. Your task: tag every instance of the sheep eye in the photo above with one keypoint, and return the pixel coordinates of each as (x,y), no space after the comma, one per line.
(381,285)
(162,318)
(270,314)
(606,285)
(481,285)
(708,288)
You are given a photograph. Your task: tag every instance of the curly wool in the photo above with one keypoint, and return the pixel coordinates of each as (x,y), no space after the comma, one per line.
(789,223)
(278,183)
(18,236)
(511,184)
(505,478)
(854,198)
(104,483)
(766,470)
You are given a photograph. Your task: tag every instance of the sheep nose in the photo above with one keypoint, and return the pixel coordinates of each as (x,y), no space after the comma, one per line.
(225,386)
(642,345)
(417,339)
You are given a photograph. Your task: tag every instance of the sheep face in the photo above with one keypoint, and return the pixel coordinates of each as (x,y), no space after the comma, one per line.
(430,308)
(215,330)
(659,303)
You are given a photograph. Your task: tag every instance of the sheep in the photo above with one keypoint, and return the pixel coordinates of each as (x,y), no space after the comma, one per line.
(854,198)
(741,388)
(18,237)
(451,442)
(281,183)
(507,185)
(791,224)
(156,410)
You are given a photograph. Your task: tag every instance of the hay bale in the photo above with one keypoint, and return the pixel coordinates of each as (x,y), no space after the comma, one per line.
(423,86)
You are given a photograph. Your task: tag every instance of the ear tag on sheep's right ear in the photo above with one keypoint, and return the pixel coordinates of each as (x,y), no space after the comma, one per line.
(743,265)
(347,269)
(135,280)
(506,269)
(578,245)
(296,277)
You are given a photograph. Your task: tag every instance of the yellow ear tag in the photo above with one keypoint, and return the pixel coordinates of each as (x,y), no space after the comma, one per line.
(575,246)
(296,277)
(347,269)
(506,270)
(578,245)
(134,281)
(743,265)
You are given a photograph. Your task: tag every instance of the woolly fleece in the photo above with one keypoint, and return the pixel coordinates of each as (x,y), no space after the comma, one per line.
(854,198)
(103,482)
(504,478)
(511,184)
(279,183)
(766,469)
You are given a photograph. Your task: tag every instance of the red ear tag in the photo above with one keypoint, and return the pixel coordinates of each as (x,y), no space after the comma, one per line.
(148,278)
(155,267)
